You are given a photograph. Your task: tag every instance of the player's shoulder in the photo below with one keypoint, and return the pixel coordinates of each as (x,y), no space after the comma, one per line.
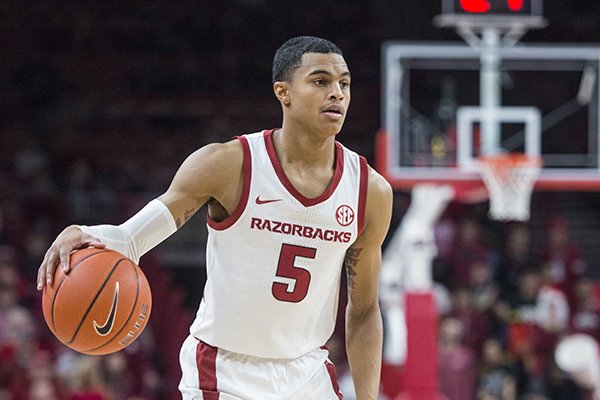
(219,154)
(213,164)
(230,151)
(230,148)
(378,183)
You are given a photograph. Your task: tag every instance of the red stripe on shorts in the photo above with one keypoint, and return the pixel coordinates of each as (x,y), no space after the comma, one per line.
(206,357)
(332,375)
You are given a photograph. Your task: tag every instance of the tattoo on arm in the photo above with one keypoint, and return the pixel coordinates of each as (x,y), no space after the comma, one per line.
(188,214)
(350,261)
(186,217)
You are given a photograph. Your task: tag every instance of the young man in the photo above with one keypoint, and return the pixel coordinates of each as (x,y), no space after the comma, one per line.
(287,209)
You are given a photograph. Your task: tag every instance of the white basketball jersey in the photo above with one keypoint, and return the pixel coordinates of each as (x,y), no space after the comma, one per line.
(274,265)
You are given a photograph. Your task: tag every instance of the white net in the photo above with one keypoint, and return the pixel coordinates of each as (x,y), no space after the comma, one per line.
(509,179)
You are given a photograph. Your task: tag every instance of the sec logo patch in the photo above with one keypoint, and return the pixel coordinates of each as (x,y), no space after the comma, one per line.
(344,215)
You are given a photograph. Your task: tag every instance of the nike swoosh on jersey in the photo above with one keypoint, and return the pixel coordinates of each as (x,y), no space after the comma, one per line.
(261,201)
(105,328)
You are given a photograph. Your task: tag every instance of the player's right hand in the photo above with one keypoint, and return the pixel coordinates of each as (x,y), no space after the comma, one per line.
(71,238)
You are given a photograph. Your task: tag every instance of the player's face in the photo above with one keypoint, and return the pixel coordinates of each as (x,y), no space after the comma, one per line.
(319,93)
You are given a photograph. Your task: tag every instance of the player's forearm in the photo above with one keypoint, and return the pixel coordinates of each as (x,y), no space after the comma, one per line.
(364,338)
(139,234)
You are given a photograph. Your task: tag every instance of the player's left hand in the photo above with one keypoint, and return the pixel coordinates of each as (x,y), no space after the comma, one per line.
(71,238)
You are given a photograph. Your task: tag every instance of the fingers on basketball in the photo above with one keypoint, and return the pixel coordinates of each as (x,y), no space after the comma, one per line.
(101,306)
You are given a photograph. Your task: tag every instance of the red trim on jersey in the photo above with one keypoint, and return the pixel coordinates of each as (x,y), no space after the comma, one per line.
(332,375)
(337,174)
(362,193)
(247,173)
(206,361)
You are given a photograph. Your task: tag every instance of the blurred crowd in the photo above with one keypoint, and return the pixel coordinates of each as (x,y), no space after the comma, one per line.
(504,309)
(34,365)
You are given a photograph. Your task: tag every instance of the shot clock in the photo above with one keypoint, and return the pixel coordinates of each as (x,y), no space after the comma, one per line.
(515,16)
(525,8)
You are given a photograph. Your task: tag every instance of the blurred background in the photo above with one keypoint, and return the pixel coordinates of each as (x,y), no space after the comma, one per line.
(101,101)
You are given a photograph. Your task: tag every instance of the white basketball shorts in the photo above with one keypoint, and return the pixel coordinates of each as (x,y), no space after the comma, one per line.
(210,373)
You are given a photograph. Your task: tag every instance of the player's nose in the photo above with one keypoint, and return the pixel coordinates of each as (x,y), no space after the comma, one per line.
(337,92)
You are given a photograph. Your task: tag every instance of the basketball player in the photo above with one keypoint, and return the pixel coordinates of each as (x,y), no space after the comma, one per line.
(287,208)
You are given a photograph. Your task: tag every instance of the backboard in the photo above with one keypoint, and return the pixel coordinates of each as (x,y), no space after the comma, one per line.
(433,122)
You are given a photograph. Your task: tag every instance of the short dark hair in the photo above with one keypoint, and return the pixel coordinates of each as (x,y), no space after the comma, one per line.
(289,56)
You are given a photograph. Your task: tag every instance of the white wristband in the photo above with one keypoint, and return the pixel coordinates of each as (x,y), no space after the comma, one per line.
(139,234)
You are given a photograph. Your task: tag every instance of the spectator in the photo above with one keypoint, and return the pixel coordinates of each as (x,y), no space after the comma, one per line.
(517,310)
(496,380)
(456,362)
(82,377)
(10,283)
(562,258)
(444,233)
(585,315)
(516,257)
(10,311)
(483,286)
(476,323)
(39,380)
(467,250)
(445,236)
(551,320)
(129,374)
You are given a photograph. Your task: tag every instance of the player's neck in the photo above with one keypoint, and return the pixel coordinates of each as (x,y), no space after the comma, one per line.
(308,162)
(296,147)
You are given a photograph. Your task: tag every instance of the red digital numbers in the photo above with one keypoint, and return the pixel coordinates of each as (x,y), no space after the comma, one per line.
(287,268)
(485,6)
(515,5)
(475,6)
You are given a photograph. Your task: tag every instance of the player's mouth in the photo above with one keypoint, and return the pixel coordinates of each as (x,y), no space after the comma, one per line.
(334,111)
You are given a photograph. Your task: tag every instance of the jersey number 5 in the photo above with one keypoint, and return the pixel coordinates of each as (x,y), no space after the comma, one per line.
(286,268)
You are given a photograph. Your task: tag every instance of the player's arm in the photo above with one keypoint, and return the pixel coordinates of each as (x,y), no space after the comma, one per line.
(364,332)
(209,174)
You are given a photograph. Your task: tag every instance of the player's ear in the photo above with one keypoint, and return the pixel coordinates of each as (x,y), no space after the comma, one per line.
(282,91)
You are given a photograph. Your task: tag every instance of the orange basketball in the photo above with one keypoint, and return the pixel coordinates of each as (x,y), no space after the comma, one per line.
(101,305)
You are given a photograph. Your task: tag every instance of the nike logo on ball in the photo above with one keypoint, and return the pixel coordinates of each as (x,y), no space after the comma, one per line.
(105,329)
(260,201)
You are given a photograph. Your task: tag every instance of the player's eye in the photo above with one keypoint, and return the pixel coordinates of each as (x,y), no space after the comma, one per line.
(319,82)
(344,84)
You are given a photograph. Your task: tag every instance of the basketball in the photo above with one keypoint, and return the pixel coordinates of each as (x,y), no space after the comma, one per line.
(101,305)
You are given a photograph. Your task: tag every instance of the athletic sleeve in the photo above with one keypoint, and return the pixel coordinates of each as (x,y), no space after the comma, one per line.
(139,234)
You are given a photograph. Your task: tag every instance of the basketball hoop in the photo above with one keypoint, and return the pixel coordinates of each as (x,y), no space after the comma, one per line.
(509,179)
